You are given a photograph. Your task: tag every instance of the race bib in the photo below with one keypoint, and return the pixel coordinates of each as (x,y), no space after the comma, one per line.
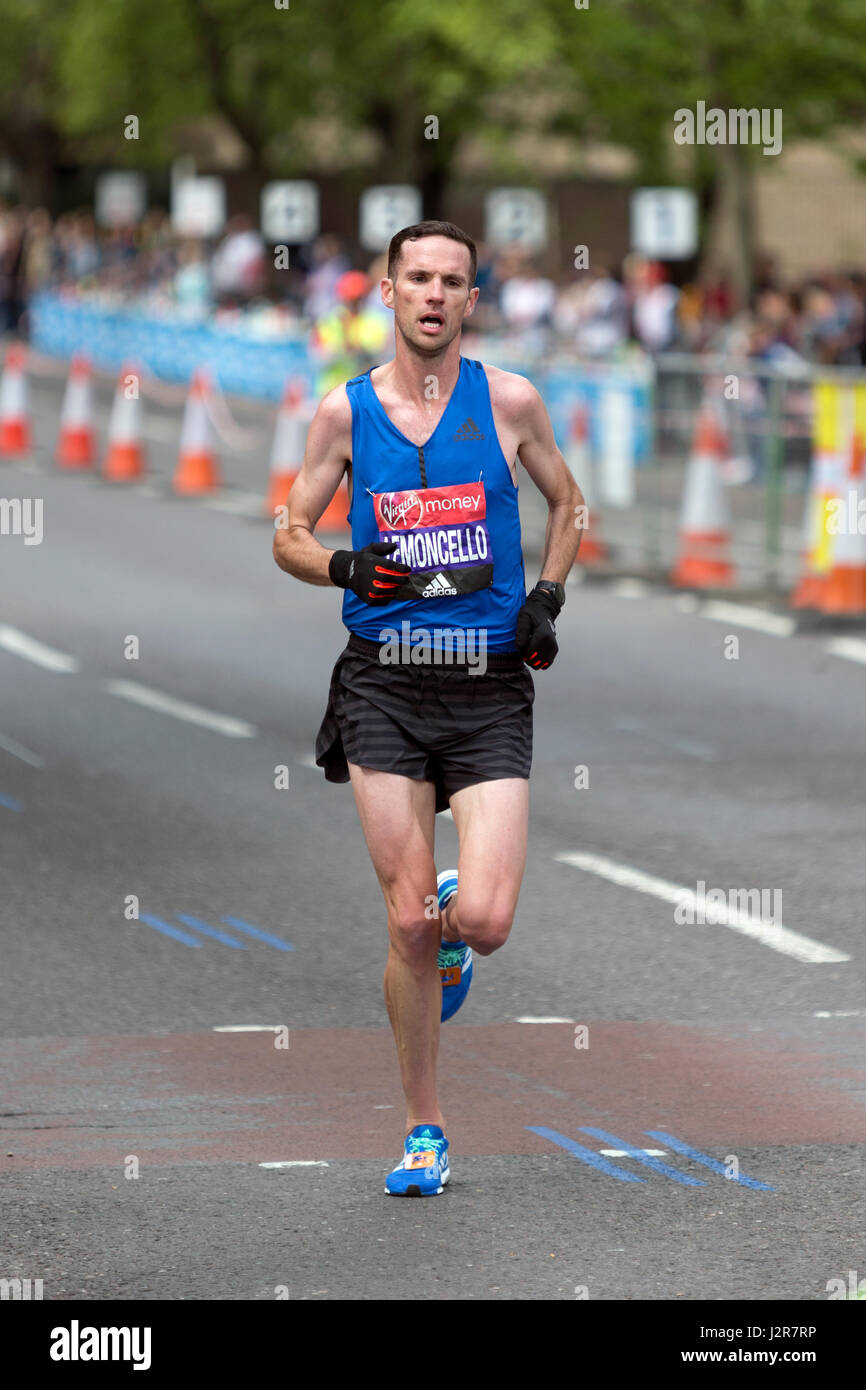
(441,533)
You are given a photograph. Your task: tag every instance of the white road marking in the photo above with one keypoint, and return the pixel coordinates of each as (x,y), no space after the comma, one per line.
(624,1153)
(688,746)
(26,755)
(308,760)
(298,1163)
(839,1013)
(161,431)
(772,934)
(180,709)
(239,503)
(741,615)
(850,647)
(628,587)
(19,644)
(249,1028)
(687,603)
(530,1018)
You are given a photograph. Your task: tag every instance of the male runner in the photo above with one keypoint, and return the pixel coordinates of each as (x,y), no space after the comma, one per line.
(430,441)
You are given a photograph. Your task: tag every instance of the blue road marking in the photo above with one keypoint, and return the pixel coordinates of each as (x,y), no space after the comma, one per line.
(10,803)
(679,1147)
(167,930)
(654,1163)
(259,935)
(203,927)
(587,1155)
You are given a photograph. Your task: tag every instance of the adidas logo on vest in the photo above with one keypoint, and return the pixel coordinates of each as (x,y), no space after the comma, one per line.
(438,588)
(468,430)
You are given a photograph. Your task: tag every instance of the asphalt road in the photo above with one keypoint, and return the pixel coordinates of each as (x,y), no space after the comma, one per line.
(135,1133)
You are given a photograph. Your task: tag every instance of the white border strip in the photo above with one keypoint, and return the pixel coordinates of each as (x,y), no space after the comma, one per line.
(774,935)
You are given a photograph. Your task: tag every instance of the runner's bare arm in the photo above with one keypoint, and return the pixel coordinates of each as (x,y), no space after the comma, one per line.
(328,451)
(529,434)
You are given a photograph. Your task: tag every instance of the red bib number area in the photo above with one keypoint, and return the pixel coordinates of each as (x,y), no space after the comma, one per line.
(441,533)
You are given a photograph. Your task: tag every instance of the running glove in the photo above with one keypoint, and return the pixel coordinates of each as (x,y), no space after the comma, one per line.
(535,635)
(368,574)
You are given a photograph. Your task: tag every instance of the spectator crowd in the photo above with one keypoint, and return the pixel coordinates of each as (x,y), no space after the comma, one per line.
(602,312)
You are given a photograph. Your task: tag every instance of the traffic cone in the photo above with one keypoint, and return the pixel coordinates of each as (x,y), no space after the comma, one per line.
(197,469)
(844,589)
(76,444)
(705,521)
(125,458)
(15,437)
(826,484)
(592,550)
(287,450)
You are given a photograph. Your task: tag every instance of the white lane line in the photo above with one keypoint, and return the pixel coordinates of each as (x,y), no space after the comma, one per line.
(26,755)
(238,503)
(624,1153)
(248,1028)
(839,1013)
(850,647)
(19,644)
(691,747)
(629,587)
(741,615)
(180,709)
(531,1018)
(772,934)
(298,1163)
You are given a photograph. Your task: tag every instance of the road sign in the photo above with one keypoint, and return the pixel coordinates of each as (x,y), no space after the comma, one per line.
(120,198)
(516,216)
(290,211)
(664,223)
(198,206)
(386,209)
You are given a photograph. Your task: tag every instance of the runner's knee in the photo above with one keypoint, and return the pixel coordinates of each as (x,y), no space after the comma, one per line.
(414,937)
(484,928)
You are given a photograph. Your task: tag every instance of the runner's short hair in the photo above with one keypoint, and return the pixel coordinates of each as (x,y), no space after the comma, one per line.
(422,229)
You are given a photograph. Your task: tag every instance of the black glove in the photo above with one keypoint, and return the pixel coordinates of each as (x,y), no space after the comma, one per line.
(535,635)
(373,579)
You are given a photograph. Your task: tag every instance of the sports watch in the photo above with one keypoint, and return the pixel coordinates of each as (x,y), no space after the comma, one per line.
(554,588)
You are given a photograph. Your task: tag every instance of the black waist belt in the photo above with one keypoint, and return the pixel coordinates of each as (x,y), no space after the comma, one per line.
(495,661)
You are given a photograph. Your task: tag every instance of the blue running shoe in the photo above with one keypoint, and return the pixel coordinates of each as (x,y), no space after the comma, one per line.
(424,1170)
(455,957)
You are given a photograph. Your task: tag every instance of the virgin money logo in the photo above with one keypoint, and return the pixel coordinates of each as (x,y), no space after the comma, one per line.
(401,510)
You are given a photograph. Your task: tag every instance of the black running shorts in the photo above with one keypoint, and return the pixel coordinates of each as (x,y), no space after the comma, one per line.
(433,723)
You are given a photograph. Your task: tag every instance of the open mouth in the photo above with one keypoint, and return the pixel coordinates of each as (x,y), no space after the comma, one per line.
(432,322)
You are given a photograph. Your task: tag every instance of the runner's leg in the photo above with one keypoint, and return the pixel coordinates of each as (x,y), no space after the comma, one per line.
(492,820)
(398,819)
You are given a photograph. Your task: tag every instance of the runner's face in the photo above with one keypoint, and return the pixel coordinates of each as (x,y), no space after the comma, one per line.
(430,295)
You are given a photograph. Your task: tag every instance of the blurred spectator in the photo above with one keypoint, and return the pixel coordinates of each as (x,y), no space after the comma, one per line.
(527,299)
(12,288)
(238,265)
(329,263)
(593,313)
(192,281)
(654,305)
(352,337)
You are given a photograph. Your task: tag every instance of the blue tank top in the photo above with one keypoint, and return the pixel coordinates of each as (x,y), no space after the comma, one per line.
(451,506)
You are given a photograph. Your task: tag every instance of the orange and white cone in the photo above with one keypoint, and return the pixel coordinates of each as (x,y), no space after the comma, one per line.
(197,469)
(592,550)
(705,519)
(76,443)
(15,436)
(125,458)
(824,490)
(844,589)
(287,450)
